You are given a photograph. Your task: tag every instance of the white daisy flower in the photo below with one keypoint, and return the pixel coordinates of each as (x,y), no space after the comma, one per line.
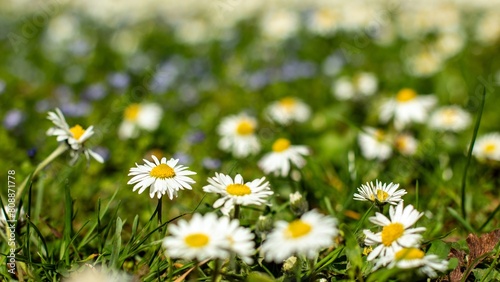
(140,116)
(324,20)
(287,110)
(361,85)
(237,192)
(203,237)
(304,236)
(163,177)
(406,108)
(487,147)
(284,155)
(396,232)
(238,135)
(374,144)
(75,136)
(97,274)
(406,144)
(279,24)
(414,258)
(240,239)
(380,193)
(450,118)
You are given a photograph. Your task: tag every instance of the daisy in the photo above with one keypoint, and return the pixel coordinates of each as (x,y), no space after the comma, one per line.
(406,144)
(363,84)
(395,233)
(487,147)
(277,25)
(237,192)
(240,239)
(238,135)
(323,20)
(97,274)
(304,236)
(406,108)
(380,193)
(287,110)
(75,136)
(374,144)
(282,157)
(203,237)
(450,118)
(414,258)
(139,116)
(161,176)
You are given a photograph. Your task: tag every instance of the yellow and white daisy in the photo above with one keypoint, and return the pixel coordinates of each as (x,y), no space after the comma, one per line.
(414,258)
(407,107)
(237,192)
(283,156)
(406,144)
(238,135)
(487,147)
(380,193)
(287,110)
(324,21)
(162,176)
(97,274)
(450,118)
(203,237)
(75,136)
(279,24)
(139,116)
(304,236)
(361,85)
(396,232)
(240,239)
(374,144)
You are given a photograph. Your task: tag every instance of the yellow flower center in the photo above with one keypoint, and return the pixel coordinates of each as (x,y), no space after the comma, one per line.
(382,195)
(281,145)
(449,116)
(162,171)
(131,112)
(238,189)
(489,148)
(77,131)
(391,233)
(245,127)
(409,253)
(379,135)
(196,240)
(288,103)
(406,94)
(297,228)
(401,143)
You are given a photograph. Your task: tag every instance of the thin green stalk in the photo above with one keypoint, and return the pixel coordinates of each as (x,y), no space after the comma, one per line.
(159,214)
(236,212)
(490,217)
(469,154)
(215,274)
(363,219)
(57,152)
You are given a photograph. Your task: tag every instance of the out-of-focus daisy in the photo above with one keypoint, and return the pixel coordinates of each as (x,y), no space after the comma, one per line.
(414,258)
(237,192)
(163,177)
(75,136)
(361,85)
(374,144)
(287,110)
(139,116)
(323,21)
(304,236)
(406,144)
(282,157)
(380,193)
(396,232)
(450,118)
(238,135)
(97,274)
(279,24)
(487,147)
(200,238)
(298,204)
(407,107)
(240,239)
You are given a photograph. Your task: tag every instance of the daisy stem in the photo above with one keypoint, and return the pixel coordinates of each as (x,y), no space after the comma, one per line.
(236,212)
(215,274)
(159,210)
(57,152)
(298,268)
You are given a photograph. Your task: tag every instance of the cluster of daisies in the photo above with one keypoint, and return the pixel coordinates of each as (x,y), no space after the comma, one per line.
(397,242)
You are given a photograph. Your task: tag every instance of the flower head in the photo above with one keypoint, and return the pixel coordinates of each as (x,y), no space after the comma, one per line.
(487,147)
(74,136)
(396,232)
(414,258)
(162,176)
(362,85)
(374,144)
(284,155)
(240,239)
(407,107)
(139,116)
(304,236)
(450,118)
(287,110)
(406,144)
(380,193)
(238,135)
(237,192)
